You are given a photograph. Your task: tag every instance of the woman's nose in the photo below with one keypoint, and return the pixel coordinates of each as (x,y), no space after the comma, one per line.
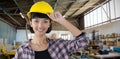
(40,24)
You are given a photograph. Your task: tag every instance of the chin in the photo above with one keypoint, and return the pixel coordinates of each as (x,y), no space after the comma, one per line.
(41,33)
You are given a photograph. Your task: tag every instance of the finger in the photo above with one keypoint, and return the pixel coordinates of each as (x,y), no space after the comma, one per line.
(48,13)
(52,16)
(57,15)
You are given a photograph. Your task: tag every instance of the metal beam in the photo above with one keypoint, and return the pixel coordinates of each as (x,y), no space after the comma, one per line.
(6,22)
(68,7)
(21,10)
(55,5)
(10,16)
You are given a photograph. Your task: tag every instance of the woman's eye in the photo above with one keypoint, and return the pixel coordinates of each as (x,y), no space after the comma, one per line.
(36,21)
(45,21)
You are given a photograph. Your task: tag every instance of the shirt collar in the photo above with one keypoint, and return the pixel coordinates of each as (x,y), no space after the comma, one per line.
(27,43)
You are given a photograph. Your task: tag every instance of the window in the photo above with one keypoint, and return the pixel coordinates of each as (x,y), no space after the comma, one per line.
(95,17)
(112,9)
(103,14)
(65,36)
(117,8)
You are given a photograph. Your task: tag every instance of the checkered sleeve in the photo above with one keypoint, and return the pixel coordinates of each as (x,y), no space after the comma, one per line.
(78,43)
(18,54)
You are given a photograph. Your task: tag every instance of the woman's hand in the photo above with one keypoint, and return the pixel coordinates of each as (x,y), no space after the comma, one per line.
(56,16)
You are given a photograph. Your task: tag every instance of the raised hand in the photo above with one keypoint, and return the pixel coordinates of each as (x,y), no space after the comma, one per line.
(56,16)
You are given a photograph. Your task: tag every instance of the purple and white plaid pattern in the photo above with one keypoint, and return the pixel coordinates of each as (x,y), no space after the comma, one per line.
(58,49)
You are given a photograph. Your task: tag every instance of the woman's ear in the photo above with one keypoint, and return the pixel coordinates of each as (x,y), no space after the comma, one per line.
(48,26)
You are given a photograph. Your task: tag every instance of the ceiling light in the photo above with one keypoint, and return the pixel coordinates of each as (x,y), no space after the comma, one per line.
(21,15)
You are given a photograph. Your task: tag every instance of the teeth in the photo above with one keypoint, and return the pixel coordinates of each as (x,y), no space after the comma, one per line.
(40,30)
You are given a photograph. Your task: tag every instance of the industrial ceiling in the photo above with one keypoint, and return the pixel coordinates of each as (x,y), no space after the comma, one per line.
(11,10)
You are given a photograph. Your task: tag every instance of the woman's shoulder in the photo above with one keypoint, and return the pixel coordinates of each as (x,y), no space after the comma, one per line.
(58,40)
(24,44)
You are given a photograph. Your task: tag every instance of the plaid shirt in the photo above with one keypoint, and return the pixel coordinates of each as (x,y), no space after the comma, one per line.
(58,49)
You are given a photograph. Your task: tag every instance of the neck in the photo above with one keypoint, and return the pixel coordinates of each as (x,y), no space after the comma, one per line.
(39,39)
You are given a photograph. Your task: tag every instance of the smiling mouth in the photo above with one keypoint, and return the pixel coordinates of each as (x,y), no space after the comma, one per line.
(40,30)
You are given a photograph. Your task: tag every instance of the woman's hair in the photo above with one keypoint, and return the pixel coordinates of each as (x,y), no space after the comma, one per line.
(39,15)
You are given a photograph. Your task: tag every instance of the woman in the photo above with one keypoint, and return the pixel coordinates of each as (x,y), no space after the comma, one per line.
(40,47)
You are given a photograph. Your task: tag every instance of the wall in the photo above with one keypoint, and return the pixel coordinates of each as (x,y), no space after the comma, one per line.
(7,31)
(21,34)
(106,28)
(58,33)
(81,22)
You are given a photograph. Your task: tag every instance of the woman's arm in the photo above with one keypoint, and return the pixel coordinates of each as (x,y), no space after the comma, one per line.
(56,16)
(71,45)
(79,43)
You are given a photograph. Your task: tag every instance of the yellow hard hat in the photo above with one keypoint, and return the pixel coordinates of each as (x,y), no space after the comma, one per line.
(40,7)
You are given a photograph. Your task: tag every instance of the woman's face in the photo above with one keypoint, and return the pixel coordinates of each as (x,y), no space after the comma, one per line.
(40,25)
